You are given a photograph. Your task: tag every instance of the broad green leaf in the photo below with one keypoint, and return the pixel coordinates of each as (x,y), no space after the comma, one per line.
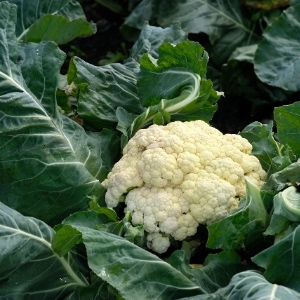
(250,285)
(29,268)
(222,21)
(284,178)
(179,85)
(244,53)
(99,290)
(290,204)
(49,165)
(282,261)
(65,239)
(108,212)
(114,86)
(133,271)
(216,271)
(108,140)
(100,218)
(102,90)
(278,226)
(142,13)
(199,16)
(272,155)
(287,118)
(152,37)
(91,219)
(57,29)
(286,210)
(125,120)
(59,21)
(277,59)
(243,227)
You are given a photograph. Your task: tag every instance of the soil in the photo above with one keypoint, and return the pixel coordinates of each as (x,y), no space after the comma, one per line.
(107,38)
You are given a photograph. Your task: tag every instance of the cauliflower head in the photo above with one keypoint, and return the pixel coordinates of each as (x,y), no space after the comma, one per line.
(175,177)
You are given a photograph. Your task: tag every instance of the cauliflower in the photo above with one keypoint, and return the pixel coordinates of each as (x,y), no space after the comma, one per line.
(175,177)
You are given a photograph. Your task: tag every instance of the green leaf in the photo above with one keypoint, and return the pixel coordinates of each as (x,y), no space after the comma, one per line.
(123,265)
(65,239)
(91,219)
(244,53)
(287,119)
(125,120)
(67,236)
(216,271)
(243,227)
(222,21)
(215,18)
(284,178)
(57,29)
(114,85)
(102,90)
(179,85)
(277,59)
(108,140)
(250,285)
(272,155)
(161,118)
(29,269)
(141,13)
(282,261)
(38,20)
(152,37)
(99,290)
(286,209)
(49,165)
(108,212)
(290,204)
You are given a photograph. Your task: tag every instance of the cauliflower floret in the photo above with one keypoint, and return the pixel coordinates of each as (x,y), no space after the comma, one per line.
(187,226)
(124,177)
(119,183)
(238,142)
(226,169)
(143,138)
(157,242)
(188,162)
(206,194)
(158,168)
(178,176)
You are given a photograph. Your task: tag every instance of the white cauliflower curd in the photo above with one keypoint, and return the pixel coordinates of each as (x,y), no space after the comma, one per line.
(178,176)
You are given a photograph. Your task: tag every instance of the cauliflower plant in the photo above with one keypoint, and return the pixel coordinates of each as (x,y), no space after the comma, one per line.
(178,176)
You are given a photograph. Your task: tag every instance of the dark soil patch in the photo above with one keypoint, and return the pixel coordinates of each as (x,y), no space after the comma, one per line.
(107,38)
